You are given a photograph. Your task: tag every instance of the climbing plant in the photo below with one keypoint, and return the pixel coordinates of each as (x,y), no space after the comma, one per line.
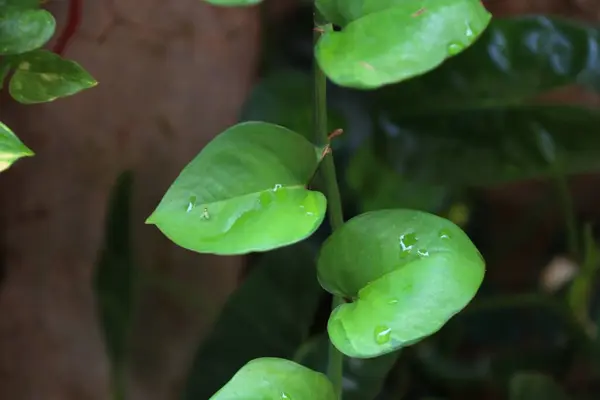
(396,275)
(34,75)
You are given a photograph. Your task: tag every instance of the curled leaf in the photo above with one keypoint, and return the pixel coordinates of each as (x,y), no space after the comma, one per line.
(276,379)
(245,191)
(388,41)
(407,273)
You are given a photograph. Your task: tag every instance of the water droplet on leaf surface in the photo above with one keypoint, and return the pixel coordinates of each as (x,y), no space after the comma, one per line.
(455,48)
(444,234)
(205,214)
(285,395)
(382,334)
(407,241)
(277,187)
(423,252)
(191,204)
(393,301)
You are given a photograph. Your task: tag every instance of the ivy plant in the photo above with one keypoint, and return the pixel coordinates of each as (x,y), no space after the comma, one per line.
(35,75)
(396,275)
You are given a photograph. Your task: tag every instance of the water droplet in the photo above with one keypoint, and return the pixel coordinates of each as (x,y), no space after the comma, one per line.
(455,48)
(423,252)
(392,301)
(407,241)
(285,395)
(205,214)
(469,32)
(444,234)
(382,334)
(277,187)
(191,204)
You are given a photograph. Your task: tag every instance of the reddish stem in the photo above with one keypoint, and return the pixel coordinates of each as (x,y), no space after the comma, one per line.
(73,21)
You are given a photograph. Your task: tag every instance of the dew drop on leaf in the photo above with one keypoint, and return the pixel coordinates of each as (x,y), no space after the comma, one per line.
(407,241)
(444,234)
(191,204)
(382,334)
(455,48)
(205,214)
(393,301)
(277,187)
(285,396)
(423,253)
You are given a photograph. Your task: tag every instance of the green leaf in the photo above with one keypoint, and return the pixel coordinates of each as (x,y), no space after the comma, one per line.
(407,273)
(363,378)
(268,316)
(275,379)
(513,61)
(41,76)
(391,41)
(245,191)
(4,70)
(534,386)
(234,3)
(11,148)
(24,30)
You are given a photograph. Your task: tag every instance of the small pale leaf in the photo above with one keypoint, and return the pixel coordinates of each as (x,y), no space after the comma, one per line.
(41,76)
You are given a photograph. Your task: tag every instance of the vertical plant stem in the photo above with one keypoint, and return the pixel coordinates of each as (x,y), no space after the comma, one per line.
(569,213)
(334,207)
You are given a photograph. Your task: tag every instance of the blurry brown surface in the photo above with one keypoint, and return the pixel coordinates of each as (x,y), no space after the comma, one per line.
(172,75)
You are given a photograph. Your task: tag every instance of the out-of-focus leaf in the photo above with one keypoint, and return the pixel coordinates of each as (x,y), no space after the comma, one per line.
(11,148)
(363,378)
(23,30)
(276,379)
(383,42)
(378,186)
(4,70)
(244,192)
(41,76)
(473,121)
(20,3)
(513,60)
(269,316)
(534,386)
(487,147)
(285,98)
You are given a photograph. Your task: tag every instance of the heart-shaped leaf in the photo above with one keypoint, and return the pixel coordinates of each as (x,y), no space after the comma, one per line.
(363,379)
(275,379)
(392,41)
(11,148)
(23,30)
(245,191)
(406,272)
(270,315)
(41,76)
(234,3)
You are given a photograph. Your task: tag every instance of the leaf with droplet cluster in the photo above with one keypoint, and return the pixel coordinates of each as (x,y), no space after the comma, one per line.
(388,41)
(245,191)
(234,3)
(275,379)
(23,30)
(407,273)
(11,148)
(41,76)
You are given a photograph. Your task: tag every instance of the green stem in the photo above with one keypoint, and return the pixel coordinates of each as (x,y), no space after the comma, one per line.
(336,218)
(569,212)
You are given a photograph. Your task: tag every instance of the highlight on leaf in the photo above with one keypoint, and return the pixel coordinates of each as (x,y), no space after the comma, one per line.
(406,272)
(276,378)
(246,191)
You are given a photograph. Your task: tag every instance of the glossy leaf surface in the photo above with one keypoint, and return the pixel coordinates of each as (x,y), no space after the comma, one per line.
(534,386)
(363,378)
(11,148)
(276,379)
(407,272)
(391,41)
(41,76)
(268,316)
(23,30)
(245,191)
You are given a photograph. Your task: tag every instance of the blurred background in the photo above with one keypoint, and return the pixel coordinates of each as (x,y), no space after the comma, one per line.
(503,139)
